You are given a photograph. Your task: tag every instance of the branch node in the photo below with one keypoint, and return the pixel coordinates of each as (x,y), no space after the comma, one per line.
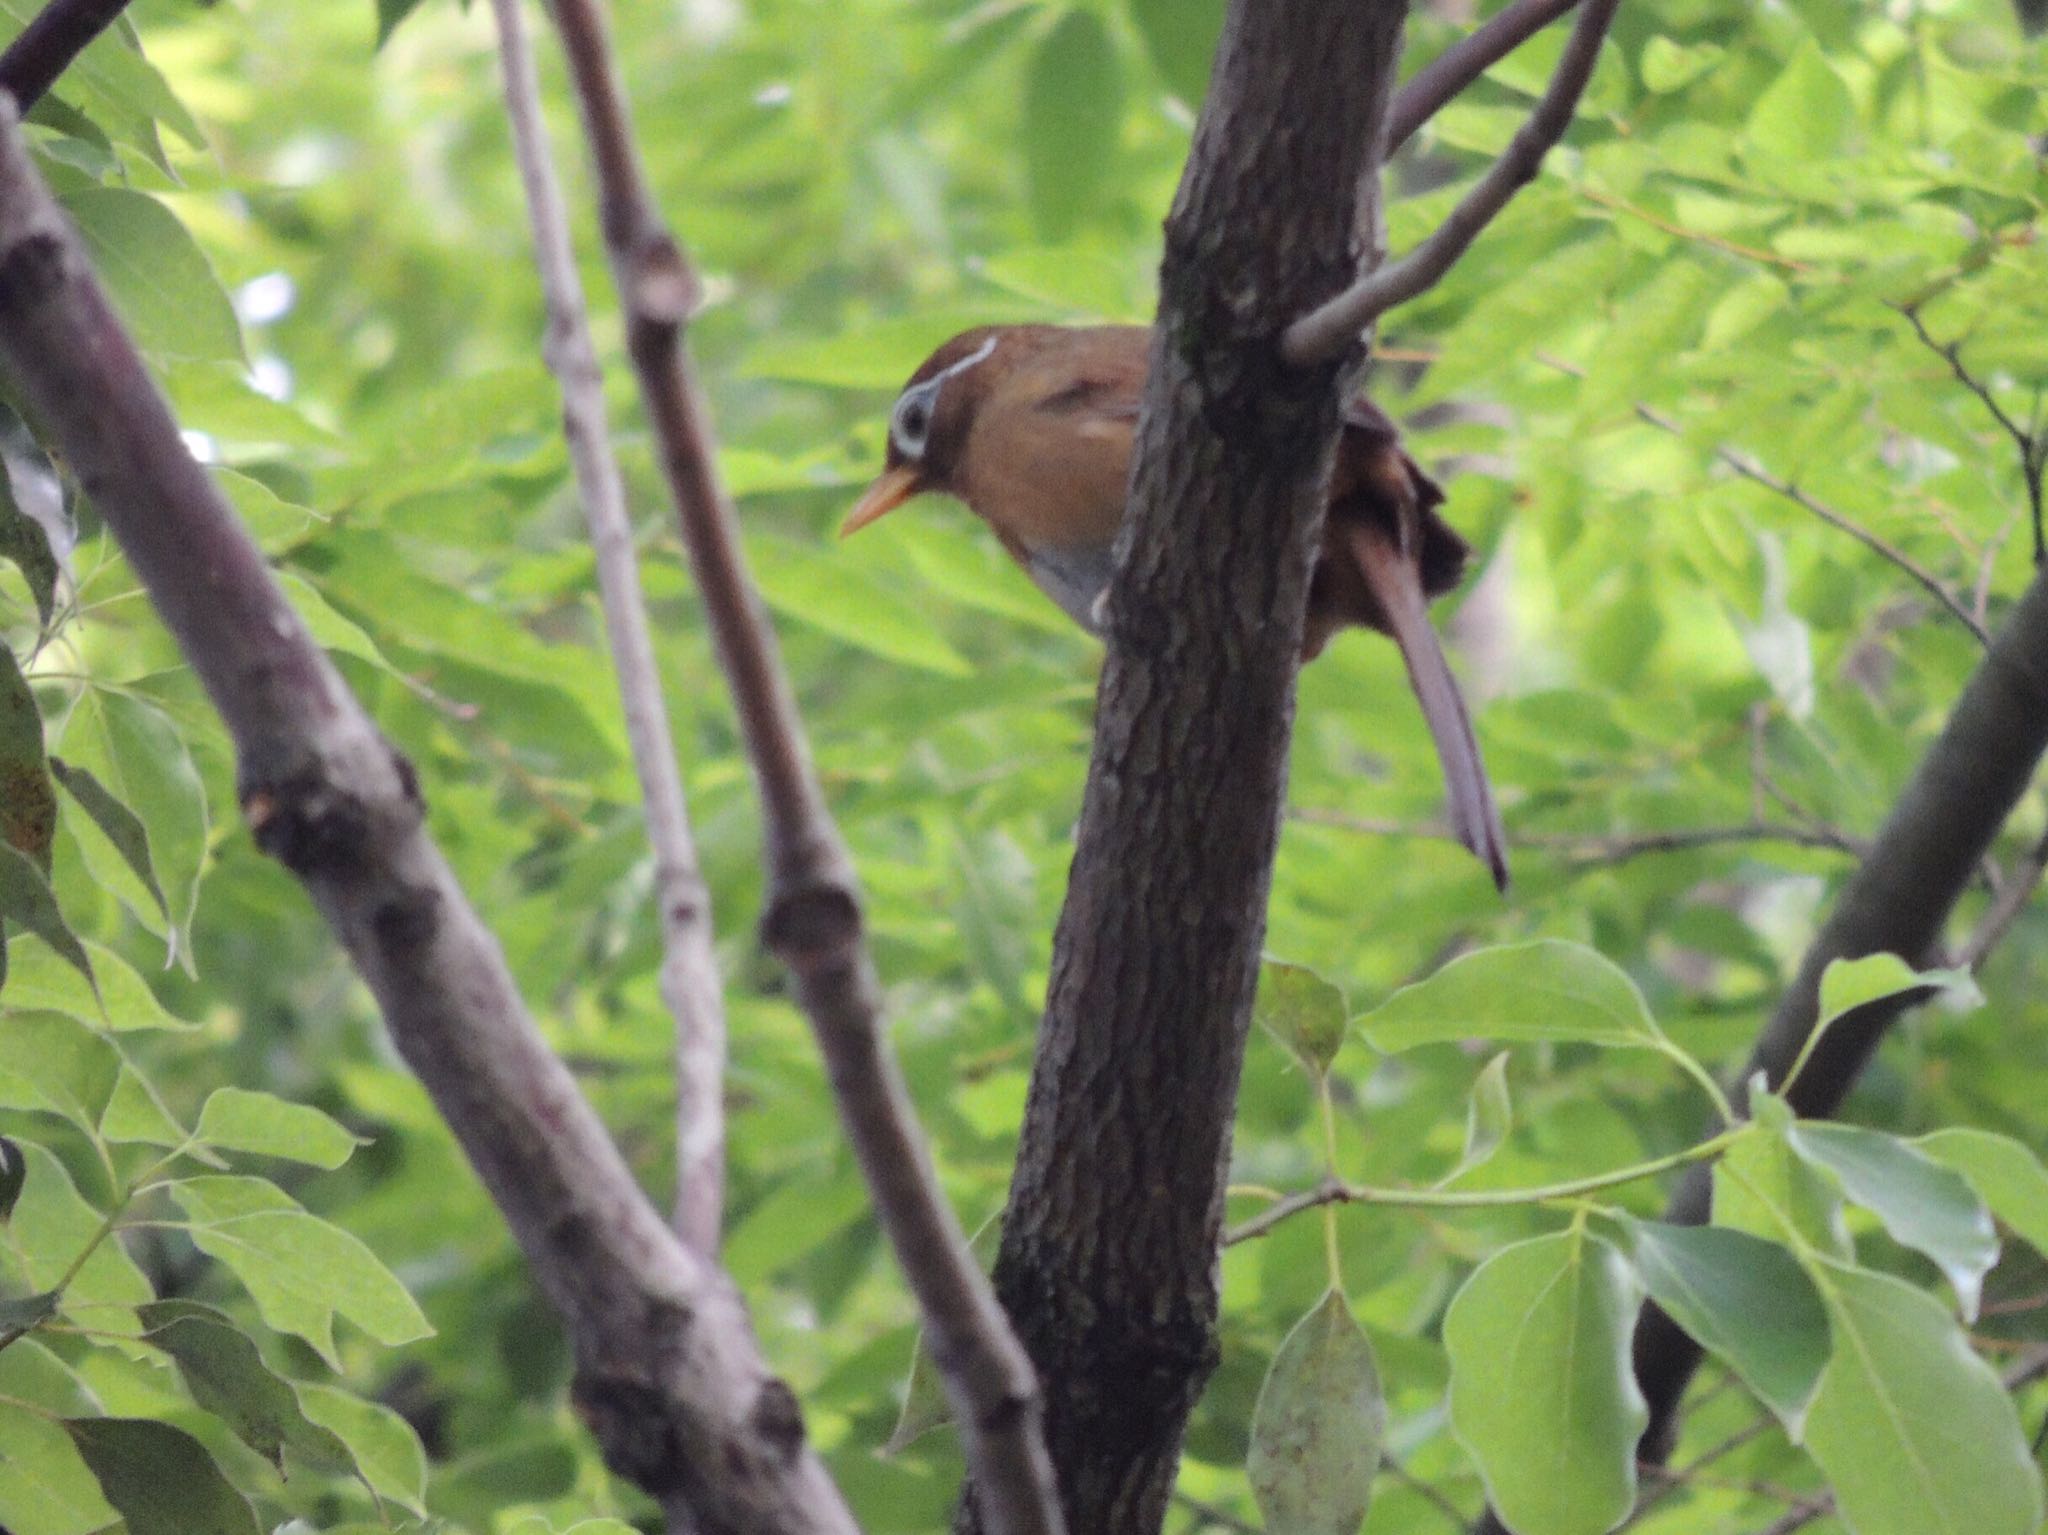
(810,921)
(663,288)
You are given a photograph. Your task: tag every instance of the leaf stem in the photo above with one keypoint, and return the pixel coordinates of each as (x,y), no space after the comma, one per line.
(1334,1191)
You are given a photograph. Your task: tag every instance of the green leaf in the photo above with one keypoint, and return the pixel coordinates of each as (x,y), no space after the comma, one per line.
(57,1066)
(226,1375)
(1914,1432)
(1803,115)
(13,1173)
(1668,66)
(1181,37)
(45,1487)
(160,281)
(808,585)
(121,826)
(1542,1392)
(383,1445)
(389,14)
(1922,1204)
(142,759)
(235,1119)
(300,1270)
(160,1479)
(1320,1426)
(1301,1010)
(52,1225)
(1073,112)
(1489,1115)
(28,805)
(1546,990)
(1744,1299)
(1764,1187)
(925,1405)
(26,899)
(20,1314)
(2006,1175)
(25,544)
(120,999)
(1848,984)
(134,1112)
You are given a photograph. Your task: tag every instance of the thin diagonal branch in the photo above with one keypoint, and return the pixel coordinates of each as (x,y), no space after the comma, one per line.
(1332,329)
(1597,849)
(812,919)
(2020,884)
(669,1376)
(47,45)
(1434,86)
(689,970)
(2032,443)
(1749,469)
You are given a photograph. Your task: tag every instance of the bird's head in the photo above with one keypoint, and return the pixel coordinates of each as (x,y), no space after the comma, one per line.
(928,426)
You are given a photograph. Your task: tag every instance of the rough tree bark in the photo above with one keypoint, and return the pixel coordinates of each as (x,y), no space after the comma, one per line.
(1108,1262)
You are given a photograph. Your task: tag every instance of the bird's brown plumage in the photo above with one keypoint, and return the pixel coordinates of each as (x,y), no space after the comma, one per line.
(1033,427)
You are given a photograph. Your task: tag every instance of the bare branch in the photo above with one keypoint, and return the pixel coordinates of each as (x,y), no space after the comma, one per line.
(2032,444)
(669,1376)
(1434,86)
(47,45)
(812,920)
(1595,849)
(2006,906)
(1749,469)
(689,970)
(1332,329)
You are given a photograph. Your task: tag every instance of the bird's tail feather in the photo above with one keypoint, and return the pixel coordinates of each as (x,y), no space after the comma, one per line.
(1397,588)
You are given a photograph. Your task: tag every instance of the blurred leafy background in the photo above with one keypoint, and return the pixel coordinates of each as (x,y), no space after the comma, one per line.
(341,304)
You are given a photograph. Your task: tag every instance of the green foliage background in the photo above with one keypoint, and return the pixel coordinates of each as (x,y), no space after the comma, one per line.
(1704,278)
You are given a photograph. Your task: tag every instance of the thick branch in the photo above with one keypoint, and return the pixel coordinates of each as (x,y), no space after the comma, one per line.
(1108,1258)
(668,1372)
(48,44)
(812,919)
(1332,329)
(689,970)
(1898,902)
(1439,82)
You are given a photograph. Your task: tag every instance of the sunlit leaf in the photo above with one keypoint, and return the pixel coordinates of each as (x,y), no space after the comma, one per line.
(1546,990)
(1542,1391)
(1914,1432)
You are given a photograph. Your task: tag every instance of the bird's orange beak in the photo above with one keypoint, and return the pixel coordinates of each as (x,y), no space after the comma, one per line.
(894,488)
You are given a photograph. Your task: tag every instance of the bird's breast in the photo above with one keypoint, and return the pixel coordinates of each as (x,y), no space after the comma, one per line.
(1075,577)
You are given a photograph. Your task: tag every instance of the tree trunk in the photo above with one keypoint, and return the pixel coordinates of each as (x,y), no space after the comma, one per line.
(1109,1254)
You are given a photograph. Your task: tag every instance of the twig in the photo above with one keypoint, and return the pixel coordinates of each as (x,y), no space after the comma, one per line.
(48,44)
(689,969)
(1333,328)
(2024,1373)
(1428,1491)
(2020,884)
(1595,849)
(669,1376)
(812,918)
(1749,469)
(2032,445)
(1431,88)
(1208,1515)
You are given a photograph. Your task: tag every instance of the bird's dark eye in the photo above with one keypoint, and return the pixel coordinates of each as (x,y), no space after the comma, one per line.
(912,423)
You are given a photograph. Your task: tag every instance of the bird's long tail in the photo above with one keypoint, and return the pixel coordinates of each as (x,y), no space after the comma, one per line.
(1397,588)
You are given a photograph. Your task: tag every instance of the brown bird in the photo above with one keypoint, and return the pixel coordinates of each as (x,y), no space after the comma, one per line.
(1032,426)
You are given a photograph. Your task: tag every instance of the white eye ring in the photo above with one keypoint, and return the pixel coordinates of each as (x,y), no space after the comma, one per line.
(910,425)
